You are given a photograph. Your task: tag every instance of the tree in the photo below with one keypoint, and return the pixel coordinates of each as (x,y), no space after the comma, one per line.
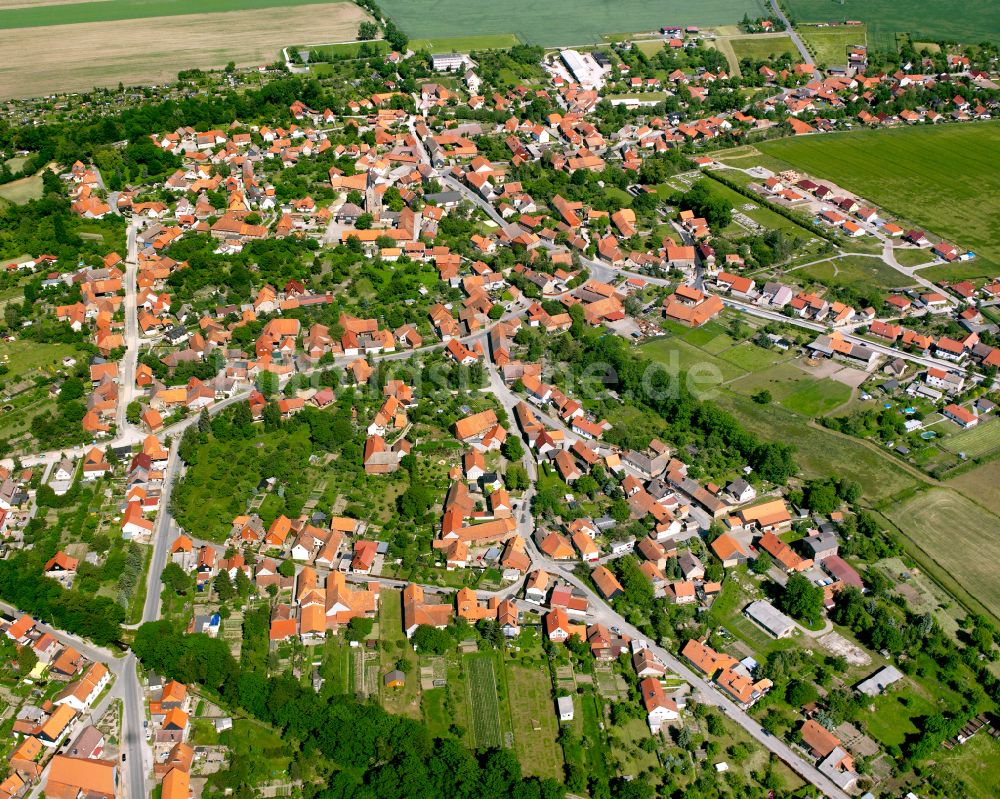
(364,222)
(620,511)
(175,578)
(516,478)
(716,210)
(821,497)
(204,421)
(431,640)
(762,563)
(512,448)
(26,659)
(359,628)
(415,501)
(800,693)
(267,383)
(133,412)
(286,568)
(223,586)
(395,37)
(367,30)
(802,600)
(762,397)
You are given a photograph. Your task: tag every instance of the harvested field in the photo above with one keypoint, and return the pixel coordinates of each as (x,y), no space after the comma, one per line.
(981,483)
(22,190)
(154,50)
(960,538)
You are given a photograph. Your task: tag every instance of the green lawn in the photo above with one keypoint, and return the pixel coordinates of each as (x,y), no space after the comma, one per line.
(959,20)
(343,49)
(795,389)
(678,356)
(22,190)
(554,24)
(892,720)
(979,270)
(38,15)
(760,214)
(978,764)
(403,701)
(751,357)
(829,45)
(25,357)
(912,257)
(269,754)
(854,271)
(933,176)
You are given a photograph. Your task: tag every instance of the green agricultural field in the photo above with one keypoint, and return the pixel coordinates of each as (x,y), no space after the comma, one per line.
(961,20)
(483,698)
(854,271)
(829,45)
(935,176)
(762,47)
(556,24)
(33,16)
(959,538)
(980,440)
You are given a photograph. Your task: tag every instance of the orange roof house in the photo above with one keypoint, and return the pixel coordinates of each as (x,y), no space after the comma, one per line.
(606,582)
(70,777)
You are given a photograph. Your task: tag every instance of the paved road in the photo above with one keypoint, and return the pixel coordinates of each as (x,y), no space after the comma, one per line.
(139,759)
(818,327)
(796,39)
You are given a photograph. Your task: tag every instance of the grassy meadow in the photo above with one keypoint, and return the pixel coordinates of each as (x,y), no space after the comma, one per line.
(762,47)
(936,177)
(854,271)
(829,45)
